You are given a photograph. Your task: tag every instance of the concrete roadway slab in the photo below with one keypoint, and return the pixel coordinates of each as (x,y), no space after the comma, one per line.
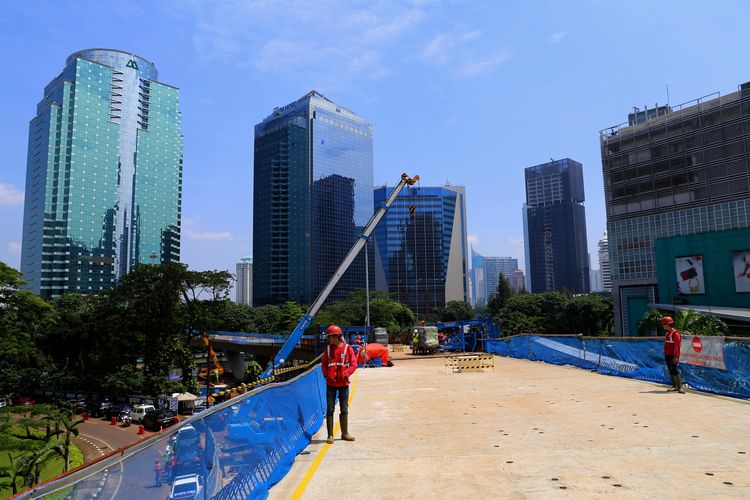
(526,430)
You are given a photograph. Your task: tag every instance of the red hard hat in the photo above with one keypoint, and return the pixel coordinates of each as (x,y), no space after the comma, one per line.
(666,320)
(334,330)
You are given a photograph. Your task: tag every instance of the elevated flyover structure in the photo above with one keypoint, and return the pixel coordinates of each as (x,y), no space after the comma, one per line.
(526,430)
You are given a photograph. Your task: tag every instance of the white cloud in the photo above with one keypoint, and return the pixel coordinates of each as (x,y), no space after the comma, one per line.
(439,49)
(9,195)
(482,65)
(209,235)
(515,240)
(557,37)
(315,42)
(473,240)
(14,247)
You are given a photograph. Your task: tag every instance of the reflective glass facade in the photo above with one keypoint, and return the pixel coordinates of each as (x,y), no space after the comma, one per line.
(422,246)
(104,175)
(672,172)
(555,225)
(313,180)
(495,266)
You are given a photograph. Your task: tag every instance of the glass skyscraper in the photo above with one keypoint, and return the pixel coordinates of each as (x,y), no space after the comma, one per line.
(422,257)
(313,181)
(555,224)
(494,267)
(244,284)
(104,174)
(478,279)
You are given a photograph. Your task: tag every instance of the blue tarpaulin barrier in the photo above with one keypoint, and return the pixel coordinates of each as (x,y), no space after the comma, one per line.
(641,359)
(236,450)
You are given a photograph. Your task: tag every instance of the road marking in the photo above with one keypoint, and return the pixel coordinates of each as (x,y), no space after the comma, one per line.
(300,490)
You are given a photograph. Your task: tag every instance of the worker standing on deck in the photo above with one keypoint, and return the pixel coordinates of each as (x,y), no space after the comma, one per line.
(672,342)
(339,363)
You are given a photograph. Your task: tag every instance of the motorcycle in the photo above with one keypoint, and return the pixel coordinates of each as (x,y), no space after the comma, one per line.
(126,420)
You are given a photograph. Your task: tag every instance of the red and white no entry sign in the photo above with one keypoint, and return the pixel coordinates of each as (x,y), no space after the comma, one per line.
(697,344)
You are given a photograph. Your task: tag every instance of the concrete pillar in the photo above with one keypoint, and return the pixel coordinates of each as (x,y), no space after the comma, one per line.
(237,364)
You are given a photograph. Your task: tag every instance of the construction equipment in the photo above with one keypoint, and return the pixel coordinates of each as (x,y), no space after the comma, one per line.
(213,366)
(306,320)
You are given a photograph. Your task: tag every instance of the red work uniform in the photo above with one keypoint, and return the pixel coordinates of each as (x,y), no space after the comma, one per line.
(339,363)
(374,350)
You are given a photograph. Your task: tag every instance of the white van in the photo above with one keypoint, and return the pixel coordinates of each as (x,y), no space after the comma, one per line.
(139,411)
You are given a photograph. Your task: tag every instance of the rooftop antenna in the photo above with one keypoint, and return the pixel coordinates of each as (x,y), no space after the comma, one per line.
(667,95)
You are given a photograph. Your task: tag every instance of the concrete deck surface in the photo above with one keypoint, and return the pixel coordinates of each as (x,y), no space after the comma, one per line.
(526,430)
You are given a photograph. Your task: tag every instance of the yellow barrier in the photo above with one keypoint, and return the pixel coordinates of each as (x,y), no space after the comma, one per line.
(397,347)
(470,362)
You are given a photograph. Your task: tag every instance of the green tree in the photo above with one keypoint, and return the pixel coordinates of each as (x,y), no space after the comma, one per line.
(13,471)
(253,372)
(68,429)
(500,297)
(685,320)
(289,316)
(457,310)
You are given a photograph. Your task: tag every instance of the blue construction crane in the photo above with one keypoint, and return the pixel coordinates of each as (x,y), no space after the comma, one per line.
(306,320)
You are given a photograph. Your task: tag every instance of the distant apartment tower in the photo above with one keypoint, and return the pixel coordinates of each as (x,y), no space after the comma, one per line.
(478,279)
(604,268)
(422,257)
(103,175)
(495,266)
(313,192)
(677,179)
(555,227)
(517,280)
(244,287)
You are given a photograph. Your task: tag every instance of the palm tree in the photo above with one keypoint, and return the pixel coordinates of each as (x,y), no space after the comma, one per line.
(685,320)
(13,471)
(69,428)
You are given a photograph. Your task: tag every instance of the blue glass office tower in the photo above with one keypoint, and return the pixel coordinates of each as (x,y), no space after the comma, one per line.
(555,226)
(479,293)
(104,174)
(313,181)
(422,247)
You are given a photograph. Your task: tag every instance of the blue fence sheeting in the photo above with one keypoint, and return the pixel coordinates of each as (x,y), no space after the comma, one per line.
(641,359)
(237,450)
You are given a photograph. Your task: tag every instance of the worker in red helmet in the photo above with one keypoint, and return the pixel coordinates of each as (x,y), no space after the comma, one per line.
(338,365)
(672,342)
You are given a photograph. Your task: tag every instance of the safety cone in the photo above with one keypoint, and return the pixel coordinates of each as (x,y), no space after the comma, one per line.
(85,415)
(114,421)
(140,430)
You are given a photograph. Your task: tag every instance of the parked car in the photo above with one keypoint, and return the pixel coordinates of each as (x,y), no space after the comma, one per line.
(98,407)
(188,461)
(3,402)
(186,487)
(25,401)
(139,411)
(116,411)
(187,437)
(158,419)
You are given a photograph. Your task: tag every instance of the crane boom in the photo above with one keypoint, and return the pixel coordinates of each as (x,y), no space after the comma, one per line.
(306,320)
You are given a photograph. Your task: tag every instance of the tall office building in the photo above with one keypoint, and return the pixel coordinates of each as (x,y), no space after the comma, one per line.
(677,188)
(103,175)
(244,287)
(312,198)
(422,246)
(604,268)
(555,227)
(517,280)
(478,279)
(494,267)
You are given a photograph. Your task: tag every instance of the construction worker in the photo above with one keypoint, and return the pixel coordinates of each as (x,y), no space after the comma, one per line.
(415,343)
(374,350)
(157,472)
(339,363)
(672,341)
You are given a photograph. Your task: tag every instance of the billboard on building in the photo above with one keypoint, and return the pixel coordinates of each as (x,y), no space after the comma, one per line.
(741,262)
(690,275)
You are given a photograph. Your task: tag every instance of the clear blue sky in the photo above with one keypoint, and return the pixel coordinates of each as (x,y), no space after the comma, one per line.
(469,92)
